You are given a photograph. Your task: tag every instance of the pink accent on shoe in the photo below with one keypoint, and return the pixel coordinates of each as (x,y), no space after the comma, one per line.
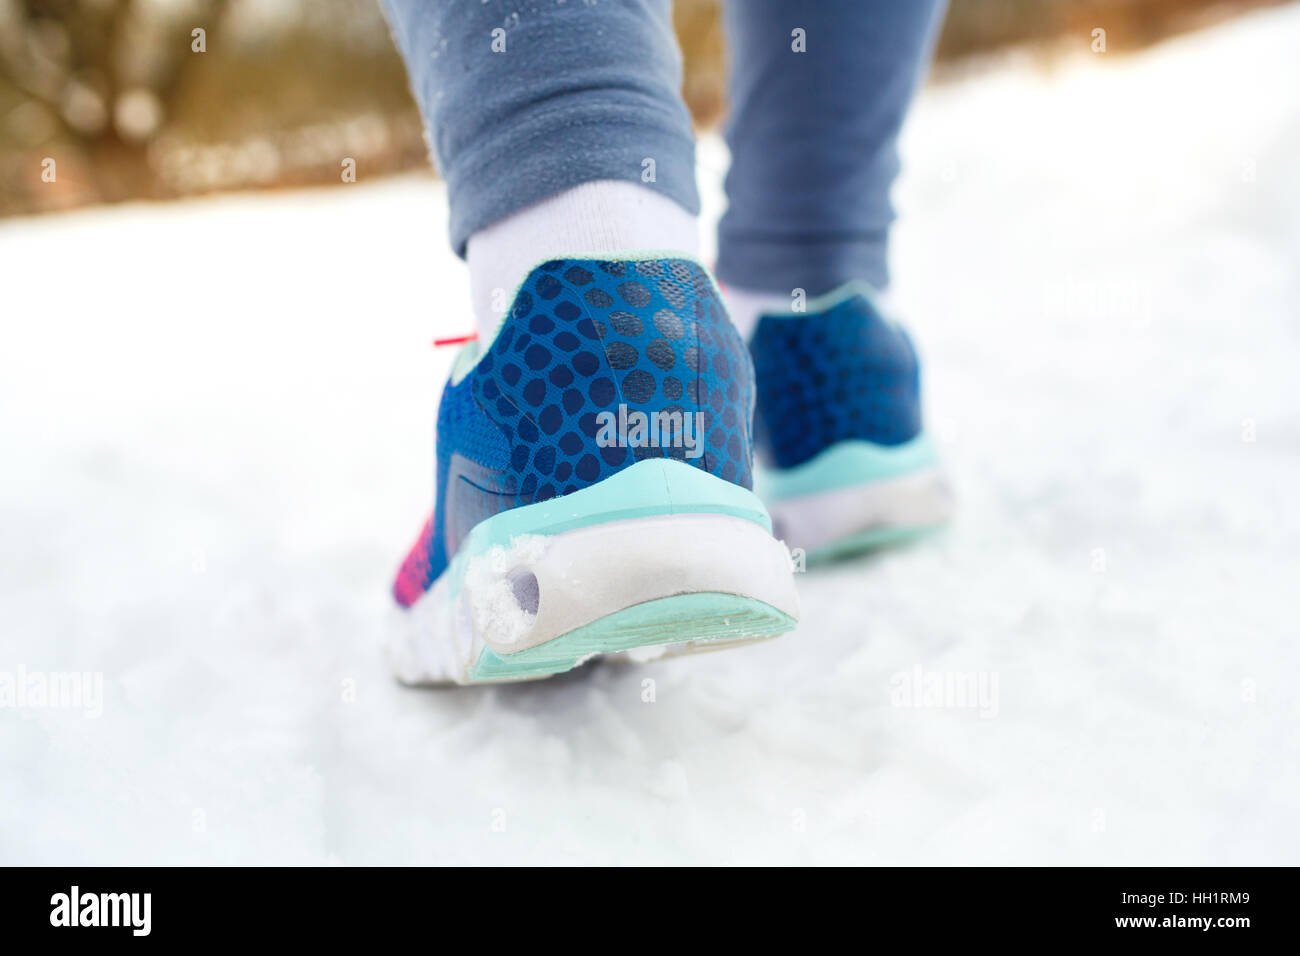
(413,577)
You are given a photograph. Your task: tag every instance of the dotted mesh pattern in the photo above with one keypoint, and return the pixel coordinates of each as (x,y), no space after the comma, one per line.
(584,337)
(832,376)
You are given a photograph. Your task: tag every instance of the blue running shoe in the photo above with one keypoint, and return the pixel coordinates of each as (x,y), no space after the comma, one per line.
(844,462)
(594,485)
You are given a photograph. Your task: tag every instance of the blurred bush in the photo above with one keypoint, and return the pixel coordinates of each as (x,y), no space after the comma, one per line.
(105,100)
(162,98)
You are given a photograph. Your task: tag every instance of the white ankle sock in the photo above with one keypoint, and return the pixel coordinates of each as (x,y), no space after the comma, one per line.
(747,306)
(606,217)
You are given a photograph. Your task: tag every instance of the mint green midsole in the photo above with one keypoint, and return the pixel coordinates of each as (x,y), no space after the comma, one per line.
(702,617)
(846,464)
(854,544)
(656,486)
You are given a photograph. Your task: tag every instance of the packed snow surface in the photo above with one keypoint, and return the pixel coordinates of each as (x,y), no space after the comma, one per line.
(215,419)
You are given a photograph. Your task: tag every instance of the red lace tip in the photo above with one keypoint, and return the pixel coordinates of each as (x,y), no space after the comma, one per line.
(455,340)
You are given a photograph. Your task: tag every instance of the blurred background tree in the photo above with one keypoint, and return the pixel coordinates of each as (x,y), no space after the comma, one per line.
(91,83)
(165,98)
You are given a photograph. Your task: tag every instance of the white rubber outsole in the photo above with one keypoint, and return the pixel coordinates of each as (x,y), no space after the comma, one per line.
(880,509)
(546,603)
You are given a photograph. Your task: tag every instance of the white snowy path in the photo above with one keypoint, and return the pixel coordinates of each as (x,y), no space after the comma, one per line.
(215,421)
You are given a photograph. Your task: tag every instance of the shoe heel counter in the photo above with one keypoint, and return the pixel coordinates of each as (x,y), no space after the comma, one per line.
(842,373)
(604,363)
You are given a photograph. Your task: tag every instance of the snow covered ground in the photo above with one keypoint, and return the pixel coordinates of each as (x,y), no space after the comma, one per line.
(215,421)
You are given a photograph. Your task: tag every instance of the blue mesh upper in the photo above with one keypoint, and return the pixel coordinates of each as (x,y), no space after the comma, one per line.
(824,377)
(582,337)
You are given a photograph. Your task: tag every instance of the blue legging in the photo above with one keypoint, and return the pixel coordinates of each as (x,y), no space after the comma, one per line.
(526,98)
